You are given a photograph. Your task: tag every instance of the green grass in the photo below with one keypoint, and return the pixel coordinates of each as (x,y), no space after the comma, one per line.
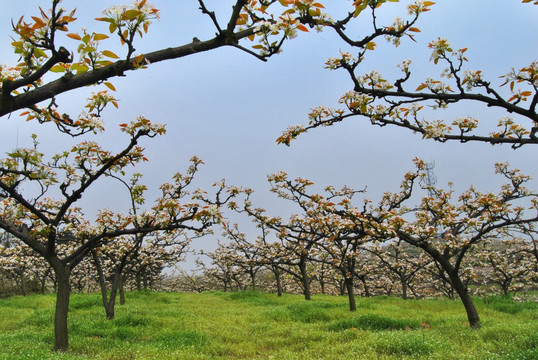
(251,325)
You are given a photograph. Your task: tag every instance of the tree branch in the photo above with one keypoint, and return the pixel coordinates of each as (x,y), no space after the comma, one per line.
(9,104)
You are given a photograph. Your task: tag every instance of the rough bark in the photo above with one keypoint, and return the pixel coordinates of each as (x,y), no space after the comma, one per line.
(61,341)
(305,281)
(462,291)
(350,293)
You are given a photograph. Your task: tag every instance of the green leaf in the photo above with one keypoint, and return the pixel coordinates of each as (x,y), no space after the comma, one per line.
(131,14)
(100,37)
(57,69)
(110,54)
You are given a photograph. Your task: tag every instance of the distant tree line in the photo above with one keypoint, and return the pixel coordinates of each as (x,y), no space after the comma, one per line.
(498,267)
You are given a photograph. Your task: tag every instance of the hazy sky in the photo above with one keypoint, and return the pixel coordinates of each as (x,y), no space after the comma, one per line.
(228,108)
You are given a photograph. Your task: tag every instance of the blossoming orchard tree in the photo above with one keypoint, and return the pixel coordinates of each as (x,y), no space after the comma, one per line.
(115,259)
(223,267)
(248,255)
(315,231)
(397,259)
(396,102)
(56,228)
(20,263)
(509,262)
(446,231)
(39,193)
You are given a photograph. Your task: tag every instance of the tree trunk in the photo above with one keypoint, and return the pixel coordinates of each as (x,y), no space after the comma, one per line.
(122,291)
(459,287)
(366,288)
(350,293)
(252,279)
(44,280)
(138,281)
(110,306)
(341,287)
(304,280)
(145,280)
(470,308)
(108,302)
(322,286)
(61,342)
(404,287)
(23,285)
(276,271)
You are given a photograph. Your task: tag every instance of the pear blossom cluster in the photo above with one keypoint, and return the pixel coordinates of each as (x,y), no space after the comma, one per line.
(9,73)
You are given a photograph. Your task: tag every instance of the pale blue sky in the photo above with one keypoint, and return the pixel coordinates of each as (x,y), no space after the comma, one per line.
(228,108)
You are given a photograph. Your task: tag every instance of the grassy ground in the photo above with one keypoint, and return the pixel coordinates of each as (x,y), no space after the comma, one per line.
(262,326)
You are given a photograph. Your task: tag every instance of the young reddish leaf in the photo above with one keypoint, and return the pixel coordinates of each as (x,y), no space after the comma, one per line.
(421,87)
(414,29)
(110,86)
(302,27)
(39,21)
(74,36)
(43,13)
